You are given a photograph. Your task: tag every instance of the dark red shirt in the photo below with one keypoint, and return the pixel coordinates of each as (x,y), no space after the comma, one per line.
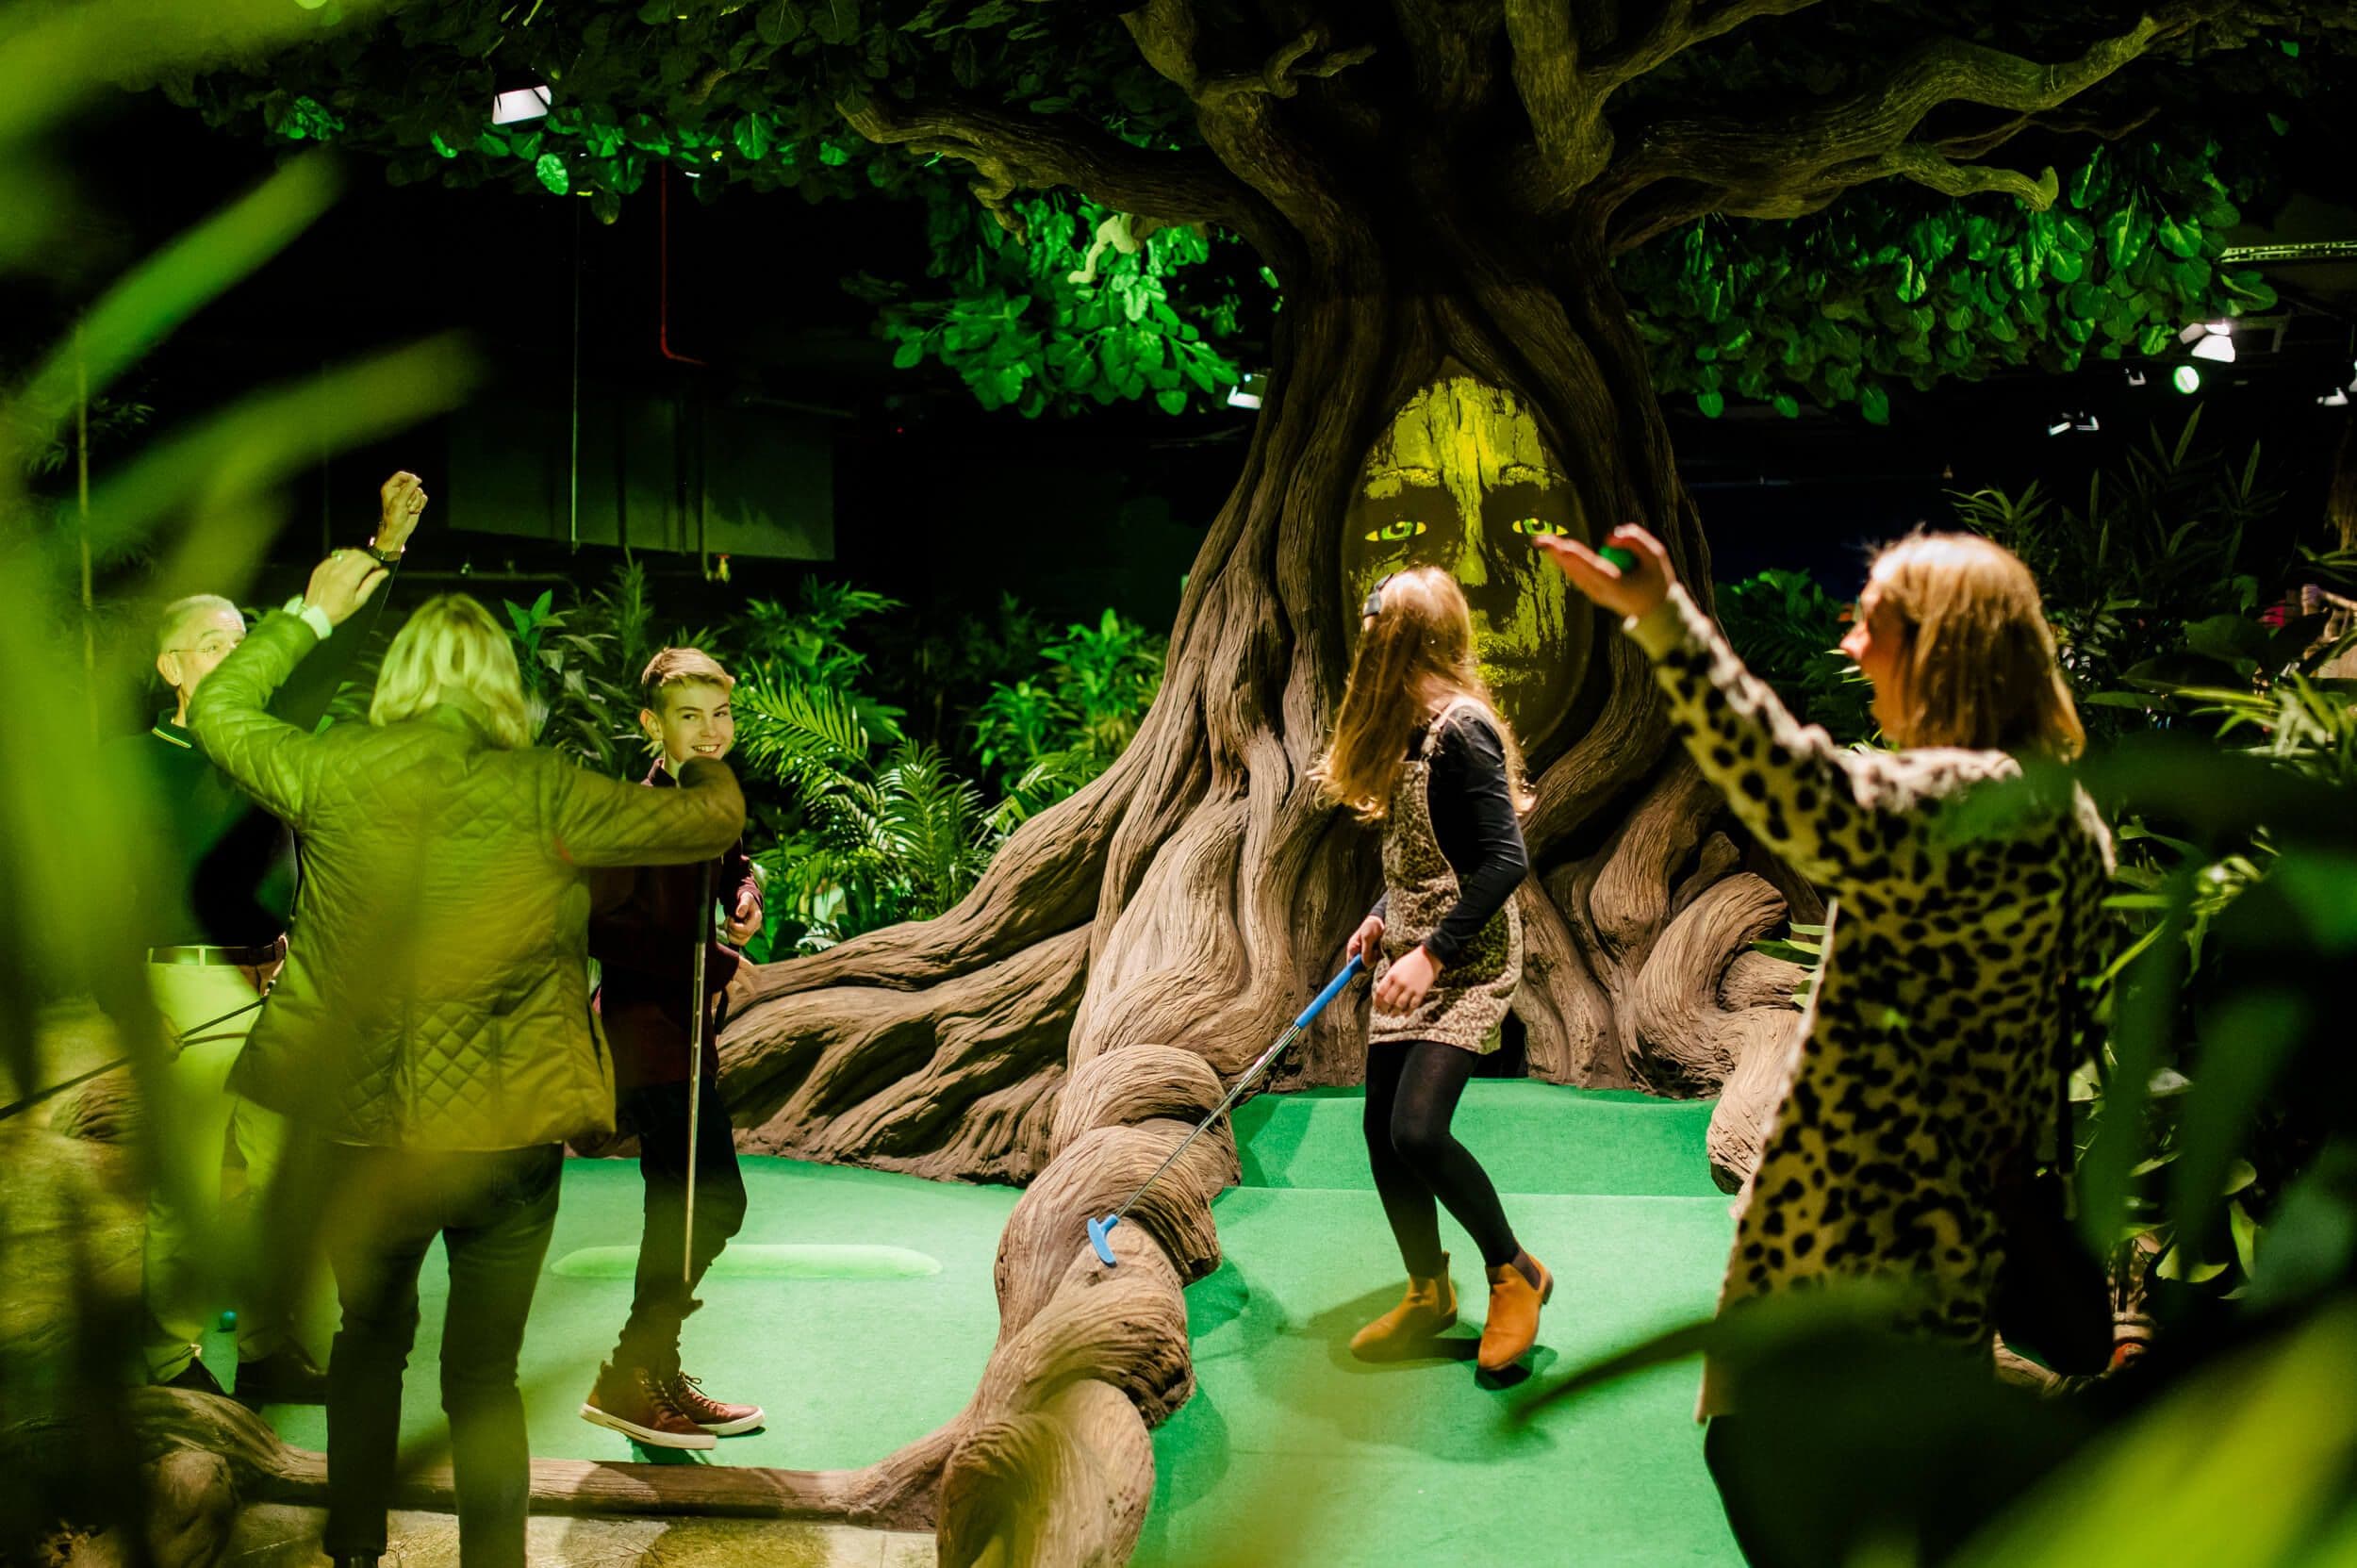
(643,926)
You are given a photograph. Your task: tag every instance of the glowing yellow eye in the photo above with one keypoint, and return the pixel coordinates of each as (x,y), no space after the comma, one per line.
(1393,533)
(1537,525)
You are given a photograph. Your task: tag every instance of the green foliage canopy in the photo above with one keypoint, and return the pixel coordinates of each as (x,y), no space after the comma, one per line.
(1834,297)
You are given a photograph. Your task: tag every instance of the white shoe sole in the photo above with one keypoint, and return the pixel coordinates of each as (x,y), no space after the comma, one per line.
(742,1423)
(647,1435)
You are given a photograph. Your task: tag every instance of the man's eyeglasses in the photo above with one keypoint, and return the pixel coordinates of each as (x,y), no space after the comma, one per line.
(1374,606)
(218,645)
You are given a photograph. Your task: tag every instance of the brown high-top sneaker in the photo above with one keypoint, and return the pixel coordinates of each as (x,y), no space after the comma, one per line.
(716,1416)
(638,1404)
(1512,1327)
(1429,1306)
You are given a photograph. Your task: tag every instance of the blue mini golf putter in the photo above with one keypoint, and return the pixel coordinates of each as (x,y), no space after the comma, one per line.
(1100,1231)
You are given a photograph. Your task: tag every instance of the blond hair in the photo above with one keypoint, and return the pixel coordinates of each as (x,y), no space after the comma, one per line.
(1414,658)
(452,651)
(680,667)
(1977,667)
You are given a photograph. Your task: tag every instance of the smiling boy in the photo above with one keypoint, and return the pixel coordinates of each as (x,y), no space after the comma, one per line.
(643,930)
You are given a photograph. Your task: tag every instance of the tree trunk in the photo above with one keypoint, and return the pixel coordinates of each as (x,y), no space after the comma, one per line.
(1138,945)
(1199,890)
(1135,947)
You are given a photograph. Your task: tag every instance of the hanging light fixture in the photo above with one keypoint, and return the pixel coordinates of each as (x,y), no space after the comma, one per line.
(2210,340)
(524,103)
(2186,378)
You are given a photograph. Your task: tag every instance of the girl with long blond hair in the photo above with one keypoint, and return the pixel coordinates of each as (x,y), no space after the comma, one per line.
(1930,1059)
(1421,749)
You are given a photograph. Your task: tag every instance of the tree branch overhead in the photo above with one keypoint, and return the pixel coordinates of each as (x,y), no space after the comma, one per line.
(1012,152)
(1781,169)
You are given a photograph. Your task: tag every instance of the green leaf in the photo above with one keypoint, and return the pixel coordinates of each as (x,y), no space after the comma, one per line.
(2092,183)
(2227,637)
(1171,401)
(1875,404)
(908,353)
(780,23)
(837,21)
(551,169)
(1789,405)
(753,137)
(1712,404)
(2127,234)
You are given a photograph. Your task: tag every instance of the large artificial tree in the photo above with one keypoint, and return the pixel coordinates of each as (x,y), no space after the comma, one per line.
(1586,205)
(1576,206)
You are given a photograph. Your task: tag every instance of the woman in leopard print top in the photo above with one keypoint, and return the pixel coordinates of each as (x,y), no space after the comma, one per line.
(1927,1057)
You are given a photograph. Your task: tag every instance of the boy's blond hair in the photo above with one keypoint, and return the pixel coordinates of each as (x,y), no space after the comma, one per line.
(680,667)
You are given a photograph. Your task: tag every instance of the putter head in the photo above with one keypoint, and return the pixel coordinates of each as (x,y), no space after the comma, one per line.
(1099,1230)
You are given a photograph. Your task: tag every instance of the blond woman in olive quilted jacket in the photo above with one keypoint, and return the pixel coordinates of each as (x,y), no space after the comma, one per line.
(435,995)
(430,1031)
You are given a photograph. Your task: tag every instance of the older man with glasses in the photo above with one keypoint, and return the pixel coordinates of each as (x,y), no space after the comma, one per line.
(212,908)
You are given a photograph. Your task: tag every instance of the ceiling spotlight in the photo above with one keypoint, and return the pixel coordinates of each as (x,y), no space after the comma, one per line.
(2064,423)
(2186,378)
(2218,347)
(2135,377)
(526,102)
(1247,392)
(2336,398)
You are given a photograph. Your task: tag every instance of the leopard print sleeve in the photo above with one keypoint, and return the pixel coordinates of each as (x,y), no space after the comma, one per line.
(1834,815)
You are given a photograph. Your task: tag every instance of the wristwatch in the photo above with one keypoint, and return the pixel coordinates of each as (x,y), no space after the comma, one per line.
(385,558)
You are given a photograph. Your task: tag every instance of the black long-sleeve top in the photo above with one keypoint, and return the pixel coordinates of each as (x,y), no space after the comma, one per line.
(219,869)
(1471,801)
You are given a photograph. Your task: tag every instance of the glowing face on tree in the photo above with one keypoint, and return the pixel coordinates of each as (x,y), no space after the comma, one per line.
(1463,480)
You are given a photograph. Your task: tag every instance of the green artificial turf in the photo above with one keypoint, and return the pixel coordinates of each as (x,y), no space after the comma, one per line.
(1293,1452)
(855,1306)
(858,1308)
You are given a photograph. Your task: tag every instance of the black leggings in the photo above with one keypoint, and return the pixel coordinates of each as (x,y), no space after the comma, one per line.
(1412,1090)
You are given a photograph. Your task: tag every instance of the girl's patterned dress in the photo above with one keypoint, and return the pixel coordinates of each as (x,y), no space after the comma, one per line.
(1469,1000)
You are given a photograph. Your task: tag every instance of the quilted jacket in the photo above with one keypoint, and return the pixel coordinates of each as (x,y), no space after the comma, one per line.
(436,993)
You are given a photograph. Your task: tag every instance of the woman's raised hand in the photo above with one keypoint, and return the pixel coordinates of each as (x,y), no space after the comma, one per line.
(1635,589)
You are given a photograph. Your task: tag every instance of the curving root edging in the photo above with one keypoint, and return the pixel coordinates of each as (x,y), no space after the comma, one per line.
(1049,1464)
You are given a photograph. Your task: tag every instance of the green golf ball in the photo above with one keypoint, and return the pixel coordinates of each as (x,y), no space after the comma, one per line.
(1624,559)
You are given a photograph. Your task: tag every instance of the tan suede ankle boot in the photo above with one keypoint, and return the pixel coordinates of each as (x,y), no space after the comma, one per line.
(1512,1326)
(1429,1306)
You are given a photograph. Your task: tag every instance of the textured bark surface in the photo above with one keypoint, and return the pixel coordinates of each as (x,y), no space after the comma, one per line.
(1133,948)
(257,1467)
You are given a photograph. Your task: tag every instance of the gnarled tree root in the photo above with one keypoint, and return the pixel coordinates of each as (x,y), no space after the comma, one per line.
(1049,1462)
